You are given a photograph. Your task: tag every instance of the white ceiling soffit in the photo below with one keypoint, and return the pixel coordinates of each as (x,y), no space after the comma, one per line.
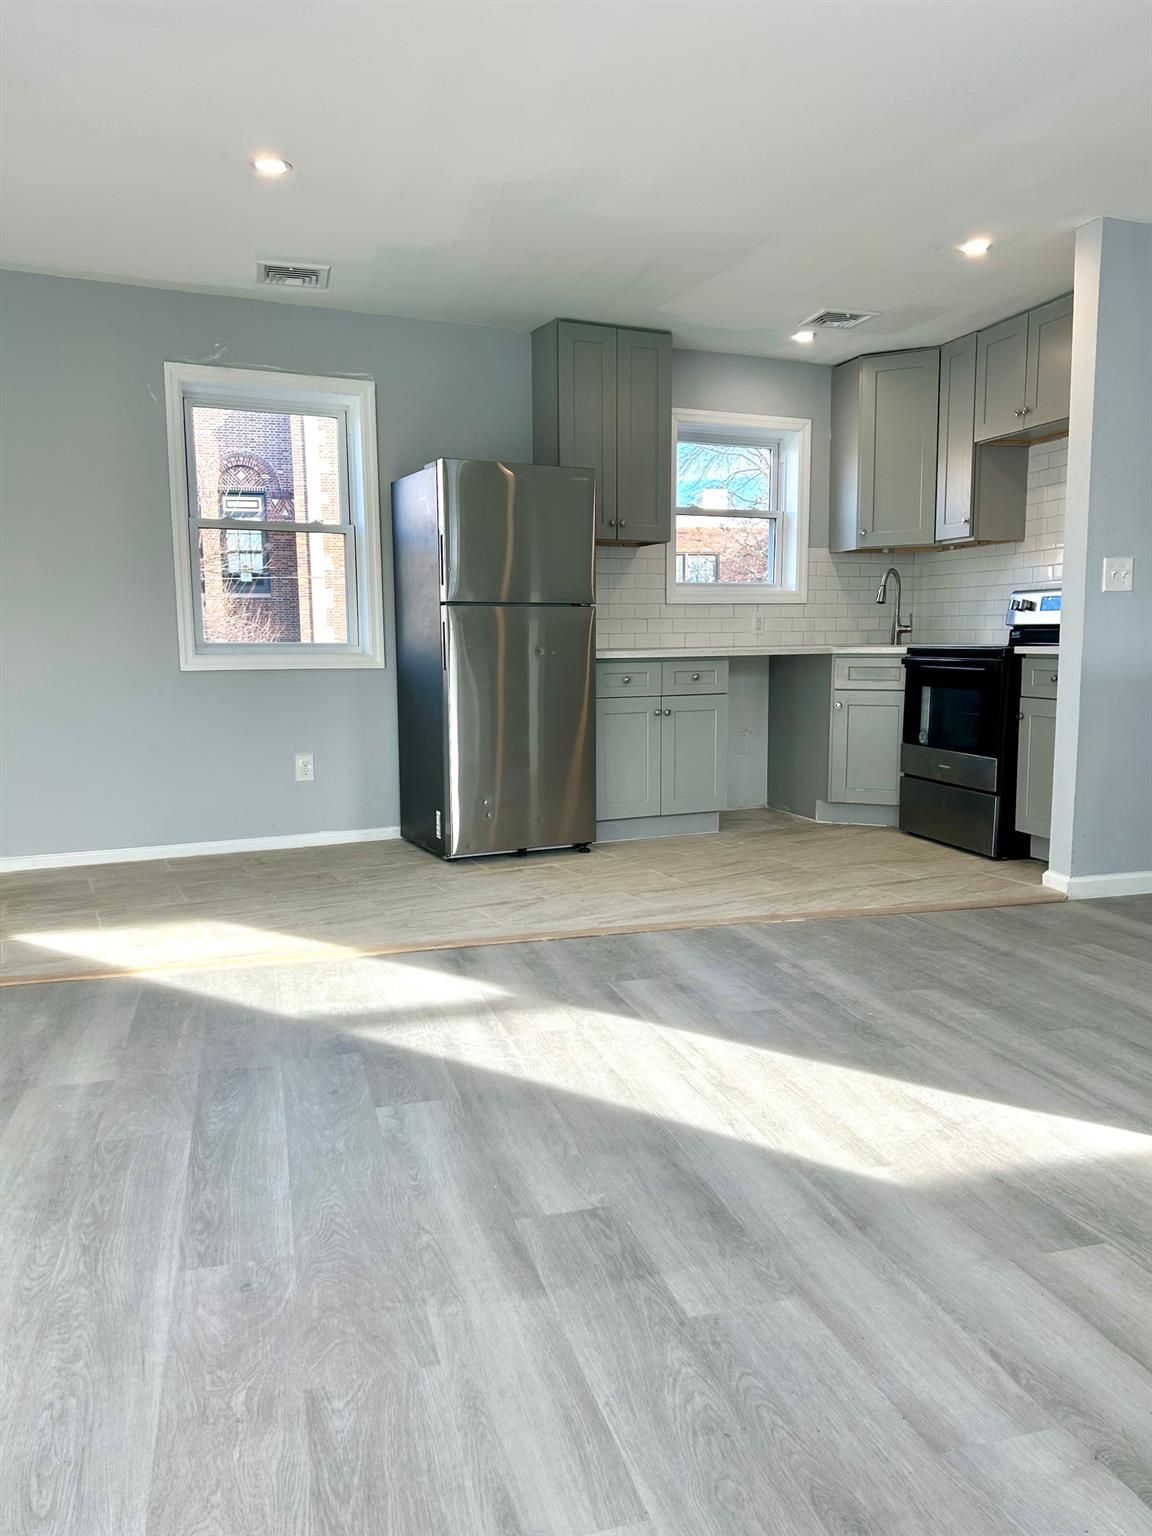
(719,168)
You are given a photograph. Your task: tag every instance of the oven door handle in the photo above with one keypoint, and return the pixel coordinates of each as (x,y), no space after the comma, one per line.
(953,666)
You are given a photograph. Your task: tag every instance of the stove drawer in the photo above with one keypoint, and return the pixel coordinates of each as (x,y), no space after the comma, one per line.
(962,818)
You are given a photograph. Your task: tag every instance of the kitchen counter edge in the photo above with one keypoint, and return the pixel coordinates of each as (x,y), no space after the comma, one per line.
(667,653)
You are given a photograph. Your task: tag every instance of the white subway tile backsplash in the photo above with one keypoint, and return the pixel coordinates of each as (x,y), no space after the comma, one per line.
(957,596)
(960,596)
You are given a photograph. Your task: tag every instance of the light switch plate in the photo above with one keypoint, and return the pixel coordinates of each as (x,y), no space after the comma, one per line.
(1117,573)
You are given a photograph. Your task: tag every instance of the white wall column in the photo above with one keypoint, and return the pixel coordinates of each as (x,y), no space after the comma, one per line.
(1102,792)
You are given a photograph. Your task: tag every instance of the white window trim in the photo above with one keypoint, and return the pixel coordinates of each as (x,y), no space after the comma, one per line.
(355,399)
(794,478)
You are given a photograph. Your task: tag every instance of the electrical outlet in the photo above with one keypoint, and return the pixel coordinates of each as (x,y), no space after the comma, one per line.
(744,743)
(1117,573)
(758,623)
(305,768)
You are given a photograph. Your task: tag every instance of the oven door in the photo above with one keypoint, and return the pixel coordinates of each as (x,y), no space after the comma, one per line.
(954,719)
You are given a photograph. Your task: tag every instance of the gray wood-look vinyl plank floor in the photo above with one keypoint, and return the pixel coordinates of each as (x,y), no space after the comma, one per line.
(829,1229)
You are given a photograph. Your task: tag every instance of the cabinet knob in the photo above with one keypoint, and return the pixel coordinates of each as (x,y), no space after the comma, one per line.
(621,521)
(612,520)
(863,532)
(657,711)
(1018,412)
(1053,677)
(1027,411)
(667,711)
(1020,716)
(839,704)
(695,677)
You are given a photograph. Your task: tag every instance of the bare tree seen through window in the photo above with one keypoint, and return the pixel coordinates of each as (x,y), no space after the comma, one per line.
(714,479)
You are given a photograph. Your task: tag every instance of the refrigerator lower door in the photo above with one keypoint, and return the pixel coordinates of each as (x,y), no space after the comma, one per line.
(521,728)
(516,533)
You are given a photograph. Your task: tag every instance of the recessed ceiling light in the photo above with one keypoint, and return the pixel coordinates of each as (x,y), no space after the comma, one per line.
(804,337)
(270,165)
(979,245)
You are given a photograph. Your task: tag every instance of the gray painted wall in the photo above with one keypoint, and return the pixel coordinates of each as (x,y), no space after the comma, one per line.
(105,742)
(765,386)
(1102,793)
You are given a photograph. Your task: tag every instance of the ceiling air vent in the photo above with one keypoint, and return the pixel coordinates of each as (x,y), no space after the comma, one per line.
(837,319)
(289,274)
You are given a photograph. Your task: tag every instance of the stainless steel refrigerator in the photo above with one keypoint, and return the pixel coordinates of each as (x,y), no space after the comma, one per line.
(496,655)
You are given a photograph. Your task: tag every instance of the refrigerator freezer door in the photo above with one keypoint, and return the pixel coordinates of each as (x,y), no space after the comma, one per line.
(516,533)
(521,728)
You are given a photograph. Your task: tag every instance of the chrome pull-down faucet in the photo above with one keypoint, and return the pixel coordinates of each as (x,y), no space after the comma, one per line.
(899,627)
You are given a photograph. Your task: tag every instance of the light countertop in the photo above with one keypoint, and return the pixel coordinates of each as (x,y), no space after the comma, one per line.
(1037,650)
(635,653)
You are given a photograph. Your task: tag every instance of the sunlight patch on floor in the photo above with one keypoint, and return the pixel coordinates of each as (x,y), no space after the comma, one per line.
(169,944)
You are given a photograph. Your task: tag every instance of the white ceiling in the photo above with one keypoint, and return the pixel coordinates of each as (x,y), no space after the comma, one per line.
(718,168)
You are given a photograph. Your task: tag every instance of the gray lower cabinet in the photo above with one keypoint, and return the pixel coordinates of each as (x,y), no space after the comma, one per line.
(661,753)
(864,758)
(834,727)
(1024,372)
(628,757)
(884,426)
(694,754)
(1035,754)
(602,399)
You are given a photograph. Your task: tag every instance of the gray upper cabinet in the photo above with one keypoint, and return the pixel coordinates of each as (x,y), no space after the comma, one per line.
(981,489)
(1001,372)
(955,453)
(1023,372)
(643,437)
(602,398)
(884,427)
(1049,381)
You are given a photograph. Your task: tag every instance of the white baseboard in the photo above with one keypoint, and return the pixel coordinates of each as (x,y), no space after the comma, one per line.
(1134,882)
(25,861)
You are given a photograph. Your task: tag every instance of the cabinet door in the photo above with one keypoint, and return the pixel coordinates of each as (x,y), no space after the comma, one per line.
(1049,363)
(899,403)
(694,754)
(644,437)
(586,363)
(628,758)
(1001,374)
(864,764)
(956,449)
(1034,756)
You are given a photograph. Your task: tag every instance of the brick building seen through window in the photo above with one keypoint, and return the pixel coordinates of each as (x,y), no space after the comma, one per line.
(268,585)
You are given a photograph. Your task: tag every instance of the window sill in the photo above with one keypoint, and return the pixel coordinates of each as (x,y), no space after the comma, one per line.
(716,593)
(326,662)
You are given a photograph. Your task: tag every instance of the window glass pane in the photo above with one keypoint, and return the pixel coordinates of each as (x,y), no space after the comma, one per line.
(724,476)
(733,550)
(278,465)
(273,588)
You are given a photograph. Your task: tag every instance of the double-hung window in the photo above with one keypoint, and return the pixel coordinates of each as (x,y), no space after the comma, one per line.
(741,508)
(274,519)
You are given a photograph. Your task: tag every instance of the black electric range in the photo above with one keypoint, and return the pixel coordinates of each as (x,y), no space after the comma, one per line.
(958,751)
